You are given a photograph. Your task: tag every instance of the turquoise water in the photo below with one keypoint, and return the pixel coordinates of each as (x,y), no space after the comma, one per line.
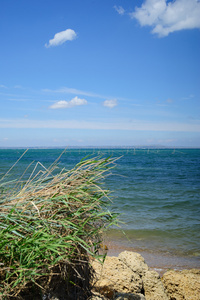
(156,191)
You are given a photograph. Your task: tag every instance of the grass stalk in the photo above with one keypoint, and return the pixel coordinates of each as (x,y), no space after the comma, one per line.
(50,227)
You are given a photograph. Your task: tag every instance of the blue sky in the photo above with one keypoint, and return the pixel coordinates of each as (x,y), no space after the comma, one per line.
(99,73)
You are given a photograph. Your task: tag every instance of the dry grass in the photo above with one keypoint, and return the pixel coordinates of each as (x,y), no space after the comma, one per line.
(49,227)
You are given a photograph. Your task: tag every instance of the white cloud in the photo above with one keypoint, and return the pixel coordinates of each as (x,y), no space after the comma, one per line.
(17,86)
(62,37)
(119,9)
(190,97)
(67,104)
(167,17)
(110,103)
(66,90)
(3,86)
(169,100)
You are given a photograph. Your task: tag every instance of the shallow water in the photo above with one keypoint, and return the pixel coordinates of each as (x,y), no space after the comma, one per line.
(156,191)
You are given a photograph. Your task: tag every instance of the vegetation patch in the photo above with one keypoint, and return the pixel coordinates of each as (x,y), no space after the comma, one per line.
(51,225)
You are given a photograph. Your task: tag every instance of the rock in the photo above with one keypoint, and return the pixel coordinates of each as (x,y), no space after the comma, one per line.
(129,276)
(153,286)
(134,261)
(118,296)
(97,296)
(182,284)
(125,296)
(115,276)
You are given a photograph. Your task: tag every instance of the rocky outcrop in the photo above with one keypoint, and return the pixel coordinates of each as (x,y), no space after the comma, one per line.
(134,261)
(182,285)
(128,277)
(114,276)
(152,285)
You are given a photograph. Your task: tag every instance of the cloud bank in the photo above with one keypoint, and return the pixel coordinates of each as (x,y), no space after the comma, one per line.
(62,37)
(167,17)
(110,103)
(68,104)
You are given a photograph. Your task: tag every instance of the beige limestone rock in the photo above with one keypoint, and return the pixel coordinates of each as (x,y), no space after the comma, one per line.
(128,274)
(134,261)
(153,286)
(182,285)
(115,276)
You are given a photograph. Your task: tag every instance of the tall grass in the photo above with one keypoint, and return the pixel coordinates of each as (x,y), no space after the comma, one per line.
(50,226)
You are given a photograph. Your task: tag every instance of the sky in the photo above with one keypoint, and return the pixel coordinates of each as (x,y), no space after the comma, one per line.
(99,73)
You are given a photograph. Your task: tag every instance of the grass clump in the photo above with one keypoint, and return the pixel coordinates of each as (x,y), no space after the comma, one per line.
(50,227)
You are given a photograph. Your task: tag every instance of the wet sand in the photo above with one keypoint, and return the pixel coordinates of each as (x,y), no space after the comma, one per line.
(157,260)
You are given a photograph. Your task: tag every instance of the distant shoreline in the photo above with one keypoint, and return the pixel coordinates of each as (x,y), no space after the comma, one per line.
(159,147)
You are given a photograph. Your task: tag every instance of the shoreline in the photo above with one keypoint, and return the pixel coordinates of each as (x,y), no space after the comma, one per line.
(156,260)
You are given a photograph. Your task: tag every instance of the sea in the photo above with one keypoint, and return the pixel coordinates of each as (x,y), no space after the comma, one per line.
(155,191)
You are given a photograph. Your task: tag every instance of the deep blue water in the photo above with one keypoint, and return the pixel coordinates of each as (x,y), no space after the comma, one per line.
(157,193)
